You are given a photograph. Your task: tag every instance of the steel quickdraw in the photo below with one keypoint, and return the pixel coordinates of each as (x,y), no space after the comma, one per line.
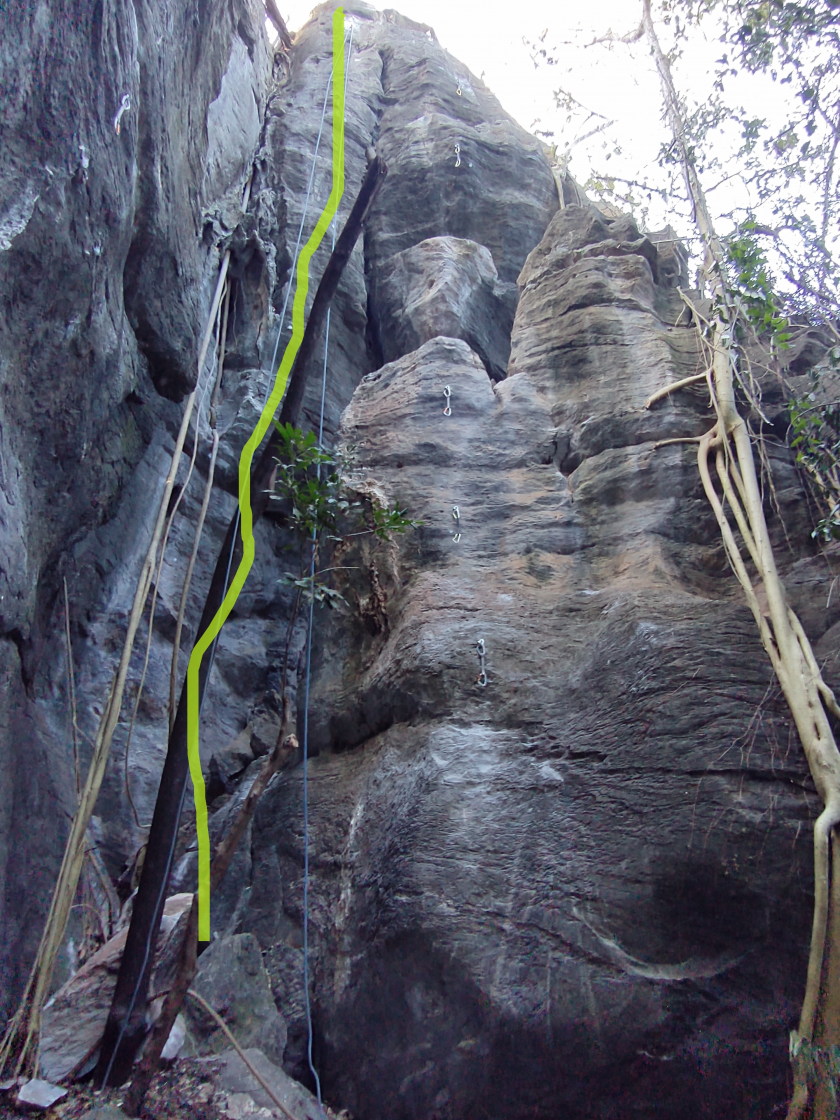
(482,676)
(456,513)
(447,392)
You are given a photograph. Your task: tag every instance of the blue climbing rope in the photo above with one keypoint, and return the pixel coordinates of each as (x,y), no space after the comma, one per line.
(307,1001)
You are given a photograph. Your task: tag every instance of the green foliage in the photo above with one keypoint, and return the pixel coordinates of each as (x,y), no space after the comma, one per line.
(765,30)
(751,284)
(791,167)
(387,521)
(310,479)
(815,438)
(814,433)
(783,254)
(785,166)
(311,484)
(313,589)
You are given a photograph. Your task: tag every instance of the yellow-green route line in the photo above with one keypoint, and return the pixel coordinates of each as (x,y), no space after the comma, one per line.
(245,460)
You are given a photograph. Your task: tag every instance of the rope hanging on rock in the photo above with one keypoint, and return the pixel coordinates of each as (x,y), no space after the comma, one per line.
(300,229)
(305,743)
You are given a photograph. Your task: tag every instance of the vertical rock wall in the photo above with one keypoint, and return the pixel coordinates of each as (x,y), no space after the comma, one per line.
(110,242)
(581,889)
(577,889)
(107,256)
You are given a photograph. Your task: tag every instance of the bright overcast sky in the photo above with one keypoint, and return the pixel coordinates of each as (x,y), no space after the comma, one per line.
(618,82)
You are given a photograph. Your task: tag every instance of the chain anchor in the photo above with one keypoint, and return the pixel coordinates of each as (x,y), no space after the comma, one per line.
(482,676)
(447,392)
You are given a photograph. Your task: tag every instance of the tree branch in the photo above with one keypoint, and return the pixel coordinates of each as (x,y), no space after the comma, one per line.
(273,13)
(681,384)
(611,37)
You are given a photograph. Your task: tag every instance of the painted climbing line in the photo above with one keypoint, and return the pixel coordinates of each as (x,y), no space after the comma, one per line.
(245,462)
(282,326)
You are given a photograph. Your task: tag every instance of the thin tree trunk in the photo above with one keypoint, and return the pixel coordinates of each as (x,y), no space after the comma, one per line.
(273,13)
(285,748)
(126,1025)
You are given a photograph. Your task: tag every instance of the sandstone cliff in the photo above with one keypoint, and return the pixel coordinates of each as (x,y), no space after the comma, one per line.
(576,890)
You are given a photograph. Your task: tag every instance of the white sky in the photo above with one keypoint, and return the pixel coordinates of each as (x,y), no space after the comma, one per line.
(618,81)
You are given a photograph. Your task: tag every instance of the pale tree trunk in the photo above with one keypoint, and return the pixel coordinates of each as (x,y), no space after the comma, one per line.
(729,445)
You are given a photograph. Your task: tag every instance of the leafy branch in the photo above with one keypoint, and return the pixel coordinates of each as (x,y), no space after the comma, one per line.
(311,485)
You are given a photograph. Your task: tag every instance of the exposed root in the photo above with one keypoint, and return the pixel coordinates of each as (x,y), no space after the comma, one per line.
(808,696)
(660,394)
(828,1029)
(725,474)
(185,590)
(169,524)
(71,681)
(825,822)
(676,439)
(205,501)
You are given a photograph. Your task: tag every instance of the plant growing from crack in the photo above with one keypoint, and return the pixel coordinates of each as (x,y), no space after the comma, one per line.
(311,484)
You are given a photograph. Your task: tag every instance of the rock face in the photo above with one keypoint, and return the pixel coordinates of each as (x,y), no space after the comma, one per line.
(559,823)
(232,979)
(127,226)
(108,225)
(446,286)
(74,1019)
(246,1093)
(567,891)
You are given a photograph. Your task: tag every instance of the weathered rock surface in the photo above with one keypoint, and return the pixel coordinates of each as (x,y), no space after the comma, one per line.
(283,959)
(232,979)
(445,286)
(567,891)
(74,1019)
(105,280)
(39,1094)
(101,555)
(105,1112)
(578,889)
(235,1076)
